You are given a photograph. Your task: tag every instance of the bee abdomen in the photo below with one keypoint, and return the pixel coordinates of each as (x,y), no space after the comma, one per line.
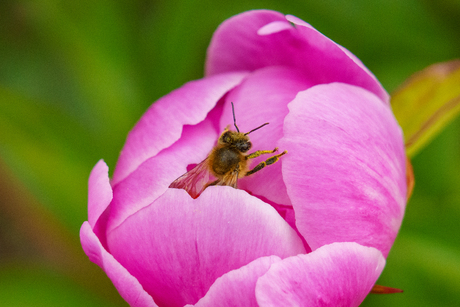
(225,160)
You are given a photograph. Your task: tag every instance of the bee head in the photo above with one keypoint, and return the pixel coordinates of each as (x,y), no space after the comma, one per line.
(235,139)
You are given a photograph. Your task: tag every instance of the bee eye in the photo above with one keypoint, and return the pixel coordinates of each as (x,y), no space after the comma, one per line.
(244,146)
(226,138)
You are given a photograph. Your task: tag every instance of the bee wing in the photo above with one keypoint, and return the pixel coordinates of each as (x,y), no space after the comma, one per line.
(200,177)
(195,180)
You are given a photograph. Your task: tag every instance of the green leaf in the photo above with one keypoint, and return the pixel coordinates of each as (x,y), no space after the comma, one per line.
(25,284)
(427,102)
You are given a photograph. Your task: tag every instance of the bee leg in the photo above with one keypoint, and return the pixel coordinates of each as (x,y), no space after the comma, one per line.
(259,153)
(269,161)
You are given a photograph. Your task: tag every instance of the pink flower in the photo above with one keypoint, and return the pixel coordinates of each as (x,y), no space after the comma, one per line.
(310,230)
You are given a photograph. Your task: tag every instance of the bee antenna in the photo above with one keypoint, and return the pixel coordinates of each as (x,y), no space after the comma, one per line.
(256,128)
(234,118)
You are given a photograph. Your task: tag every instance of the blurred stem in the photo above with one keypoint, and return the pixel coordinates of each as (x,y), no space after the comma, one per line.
(46,240)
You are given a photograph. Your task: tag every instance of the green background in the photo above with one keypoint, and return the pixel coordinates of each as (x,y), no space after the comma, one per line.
(75,76)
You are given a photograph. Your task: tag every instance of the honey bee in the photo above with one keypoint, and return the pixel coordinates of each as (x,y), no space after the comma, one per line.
(226,163)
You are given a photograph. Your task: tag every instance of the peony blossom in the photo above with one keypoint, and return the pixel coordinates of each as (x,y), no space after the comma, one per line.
(313,229)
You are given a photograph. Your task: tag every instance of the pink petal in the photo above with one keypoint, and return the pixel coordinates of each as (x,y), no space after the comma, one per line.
(239,33)
(153,177)
(340,274)
(357,61)
(127,285)
(162,124)
(99,192)
(263,97)
(345,171)
(178,246)
(237,288)
(256,39)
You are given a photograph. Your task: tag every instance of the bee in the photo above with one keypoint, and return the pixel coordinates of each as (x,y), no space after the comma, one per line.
(227,162)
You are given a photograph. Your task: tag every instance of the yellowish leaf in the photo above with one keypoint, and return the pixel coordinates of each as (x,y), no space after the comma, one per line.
(427,102)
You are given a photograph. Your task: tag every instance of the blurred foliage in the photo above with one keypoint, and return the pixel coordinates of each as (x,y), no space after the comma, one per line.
(75,76)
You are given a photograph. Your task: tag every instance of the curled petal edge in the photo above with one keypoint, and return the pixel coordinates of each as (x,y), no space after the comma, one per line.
(127,285)
(338,274)
(237,287)
(100,192)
